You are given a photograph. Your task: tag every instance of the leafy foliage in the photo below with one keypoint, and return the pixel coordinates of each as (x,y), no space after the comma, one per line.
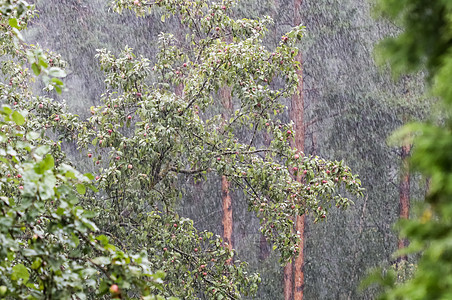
(147,135)
(425,43)
(48,246)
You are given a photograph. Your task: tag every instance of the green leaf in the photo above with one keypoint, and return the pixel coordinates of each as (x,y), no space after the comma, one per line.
(58,89)
(20,272)
(41,150)
(32,135)
(57,72)
(159,275)
(3,290)
(43,63)
(7,109)
(81,189)
(36,68)
(13,23)
(75,240)
(102,239)
(102,260)
(18,118)
(18,34)
(36,263)
(60,211)
(57,81)
(89,175)
(70,174)
(48,162)
(46,190)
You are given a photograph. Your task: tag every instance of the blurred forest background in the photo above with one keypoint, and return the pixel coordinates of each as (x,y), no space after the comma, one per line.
(351,107)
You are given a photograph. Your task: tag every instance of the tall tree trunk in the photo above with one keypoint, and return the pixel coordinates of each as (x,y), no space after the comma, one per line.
(225,94)
(298,118)
(404,193)
(288,281)
(227,212)
(299,261)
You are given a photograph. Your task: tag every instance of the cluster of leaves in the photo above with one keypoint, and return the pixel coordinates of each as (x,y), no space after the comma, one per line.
(425,43)
(224,52)
(48,244)
(50,247)
(14,17)
(143,138)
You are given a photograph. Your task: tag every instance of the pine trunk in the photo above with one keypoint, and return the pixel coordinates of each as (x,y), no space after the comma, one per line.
(227,212)
(299,261)
(404,193)
(225,95)
(288,281)
(298,118)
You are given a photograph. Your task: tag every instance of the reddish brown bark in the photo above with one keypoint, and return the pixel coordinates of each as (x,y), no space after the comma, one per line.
(288,281)
(227,212)
(297,115)
(299,261)
(294,275)
(225,94)
(297,111)
(404,193)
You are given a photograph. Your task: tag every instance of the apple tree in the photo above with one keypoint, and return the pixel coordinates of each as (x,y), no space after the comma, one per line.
(143,139)
(50,247)
(146,136)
